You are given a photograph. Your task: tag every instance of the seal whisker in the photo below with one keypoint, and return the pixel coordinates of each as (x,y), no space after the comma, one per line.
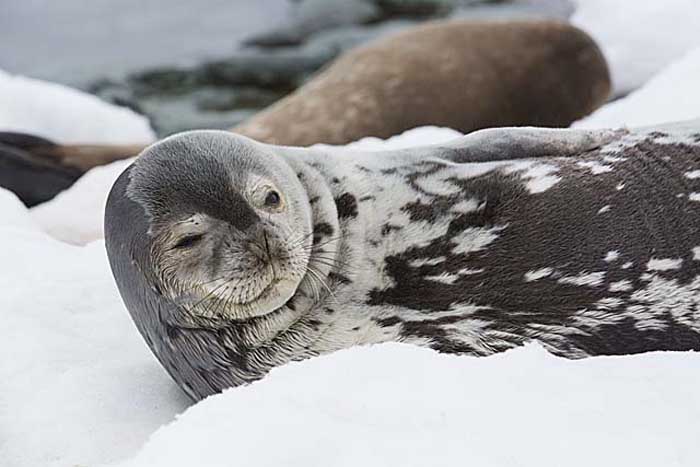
(208,295)
(299,241)
(319,278)
(320,244)
(336,263)
(200,284)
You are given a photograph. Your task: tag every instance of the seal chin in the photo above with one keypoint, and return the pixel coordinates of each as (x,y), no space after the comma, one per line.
(217,303)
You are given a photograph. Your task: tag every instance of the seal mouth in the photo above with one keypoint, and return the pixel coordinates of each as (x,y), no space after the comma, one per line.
(263,301)
(263,293)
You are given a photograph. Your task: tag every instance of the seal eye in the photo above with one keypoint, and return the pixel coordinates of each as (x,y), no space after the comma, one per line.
(272,199)
(188,241)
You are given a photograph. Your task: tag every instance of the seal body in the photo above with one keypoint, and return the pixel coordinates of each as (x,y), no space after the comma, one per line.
(461,74)
(586,241)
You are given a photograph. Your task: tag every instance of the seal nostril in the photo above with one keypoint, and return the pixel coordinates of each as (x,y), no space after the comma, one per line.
(267,244)
(188,241)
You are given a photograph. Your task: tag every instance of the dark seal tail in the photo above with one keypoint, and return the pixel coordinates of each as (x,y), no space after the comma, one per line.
(27,170)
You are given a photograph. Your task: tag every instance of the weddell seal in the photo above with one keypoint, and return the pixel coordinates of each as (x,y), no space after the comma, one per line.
(460,74)
(234,257)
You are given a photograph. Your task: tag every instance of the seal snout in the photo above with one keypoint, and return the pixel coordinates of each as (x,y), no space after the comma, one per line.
(268,249)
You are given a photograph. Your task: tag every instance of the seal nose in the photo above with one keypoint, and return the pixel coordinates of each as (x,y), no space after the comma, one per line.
(262,246)
(267,245)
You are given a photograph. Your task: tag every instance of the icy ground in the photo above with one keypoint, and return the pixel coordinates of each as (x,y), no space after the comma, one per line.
(79,387)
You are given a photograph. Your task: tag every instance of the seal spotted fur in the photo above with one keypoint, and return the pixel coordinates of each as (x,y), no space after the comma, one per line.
(586,241)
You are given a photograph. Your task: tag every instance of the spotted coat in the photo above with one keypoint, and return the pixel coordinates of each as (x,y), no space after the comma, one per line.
(588,242)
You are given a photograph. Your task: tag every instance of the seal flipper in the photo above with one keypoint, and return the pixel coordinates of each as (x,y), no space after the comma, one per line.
(34,179)
(82,157)
(25,141)
(500,144)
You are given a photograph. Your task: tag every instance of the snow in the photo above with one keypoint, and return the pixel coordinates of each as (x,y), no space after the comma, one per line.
(639,38)
(79,385)
(66,115)
(671,95)
(81,388)
(400,405)
(76,215)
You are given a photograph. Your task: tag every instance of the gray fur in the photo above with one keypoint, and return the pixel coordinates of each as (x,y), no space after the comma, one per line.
(586,241)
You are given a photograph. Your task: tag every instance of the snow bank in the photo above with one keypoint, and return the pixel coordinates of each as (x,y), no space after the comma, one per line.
(672,95)
(66,115)
(80,387)
(76,215)
(395,405)
(639,38)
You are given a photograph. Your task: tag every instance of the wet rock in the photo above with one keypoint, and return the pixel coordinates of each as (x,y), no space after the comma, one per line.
(116,92)
(179,113)
(336,41)
(312,16)
(164,80)
(280,68)
(518,9)
(223,99)
(422,8)
(207,107)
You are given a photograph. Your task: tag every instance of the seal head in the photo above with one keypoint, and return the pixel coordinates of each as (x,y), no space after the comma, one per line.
(229,223)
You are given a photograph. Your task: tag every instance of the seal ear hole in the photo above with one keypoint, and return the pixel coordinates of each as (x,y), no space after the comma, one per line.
(188,241)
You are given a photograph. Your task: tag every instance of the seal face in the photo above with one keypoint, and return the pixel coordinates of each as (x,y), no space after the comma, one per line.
(234,257)
(231,230)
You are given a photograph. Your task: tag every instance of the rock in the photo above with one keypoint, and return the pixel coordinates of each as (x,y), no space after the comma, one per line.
(222,99)
(208,107)
(281,68)
(312,16)
(421,8)
(518,9)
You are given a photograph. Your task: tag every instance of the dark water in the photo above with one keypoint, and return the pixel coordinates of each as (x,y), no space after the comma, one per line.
(76,41)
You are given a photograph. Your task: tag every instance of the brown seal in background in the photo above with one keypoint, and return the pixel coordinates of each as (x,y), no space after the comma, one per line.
(464,75)
(460,74)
